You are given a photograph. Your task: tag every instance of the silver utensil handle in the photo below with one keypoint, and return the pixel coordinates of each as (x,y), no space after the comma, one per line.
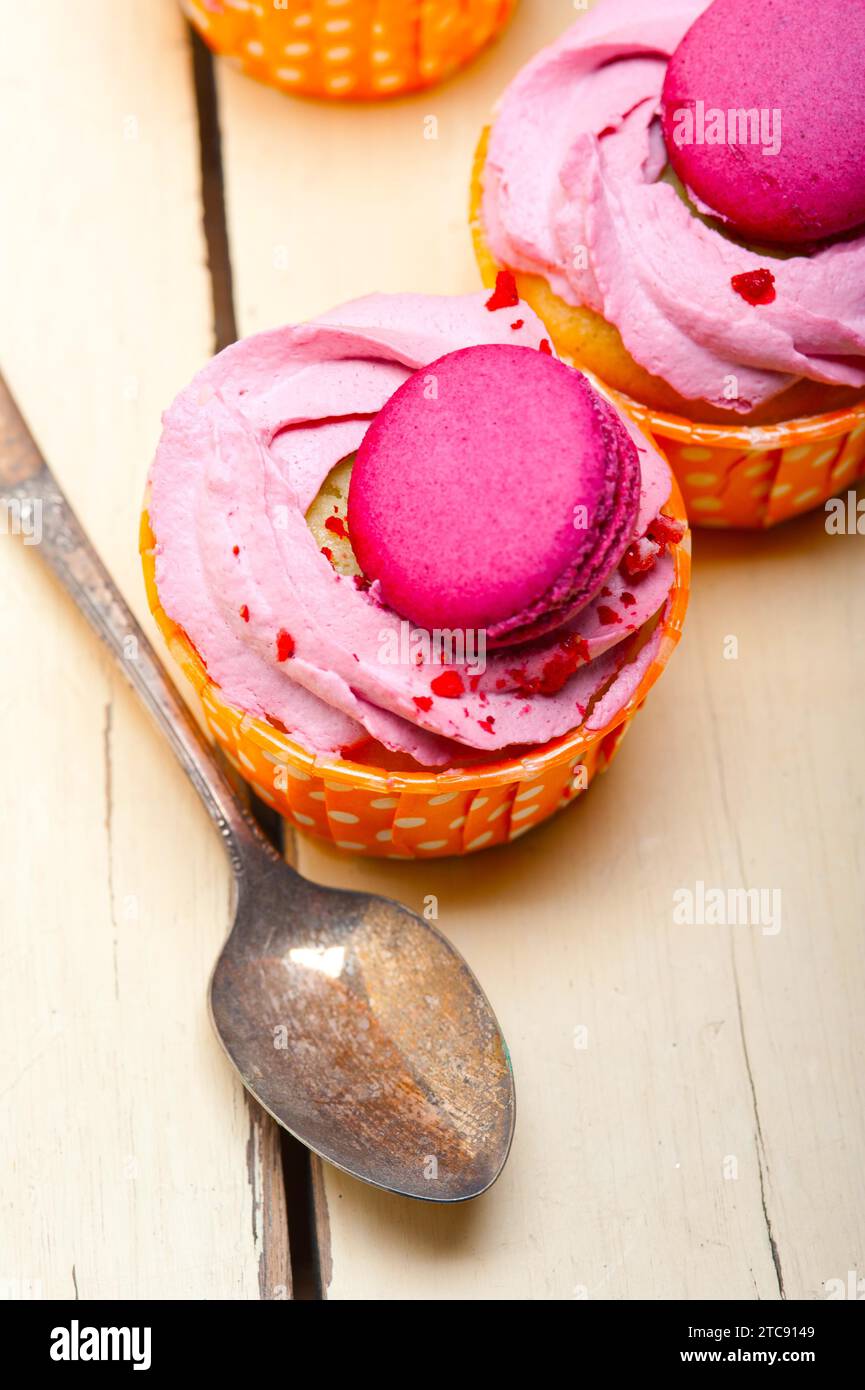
(34,503)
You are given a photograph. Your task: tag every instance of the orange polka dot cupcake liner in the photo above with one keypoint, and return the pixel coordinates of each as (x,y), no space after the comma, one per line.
(359,49)
(756,476)
(367,810)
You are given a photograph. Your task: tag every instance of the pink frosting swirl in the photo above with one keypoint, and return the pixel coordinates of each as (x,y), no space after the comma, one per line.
(244,450)
(572,193)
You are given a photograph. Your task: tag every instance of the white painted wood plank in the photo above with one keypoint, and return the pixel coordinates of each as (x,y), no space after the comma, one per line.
(130,1155)
(710,1050)
(328,201)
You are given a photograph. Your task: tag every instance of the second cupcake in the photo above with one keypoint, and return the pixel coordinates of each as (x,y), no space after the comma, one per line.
(680,197)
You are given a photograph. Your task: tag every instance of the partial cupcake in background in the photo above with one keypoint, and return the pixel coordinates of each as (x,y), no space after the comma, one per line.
(736,328)
(420,572)
(355,49)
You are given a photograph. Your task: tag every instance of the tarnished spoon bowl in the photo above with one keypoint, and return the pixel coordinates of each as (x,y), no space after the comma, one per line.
(362,1030)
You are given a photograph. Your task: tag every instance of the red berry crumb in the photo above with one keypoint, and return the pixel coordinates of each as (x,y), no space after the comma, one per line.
(449,685)
(517,323)
(544,347)
(666,530)
(505,294)
(639,558)
(244,613)
(284,645)
(628,599)
(755,286)
(337,526)
(423,702)
(327,553)
(608,614)
(487,723)
(350,751)
(572,652)
(235,550)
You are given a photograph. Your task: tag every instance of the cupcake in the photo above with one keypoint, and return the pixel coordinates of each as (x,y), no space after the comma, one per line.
(420,572)
(361,49)
(683,205)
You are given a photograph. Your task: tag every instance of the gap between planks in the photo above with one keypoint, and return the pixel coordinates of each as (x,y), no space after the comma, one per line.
(288,1216)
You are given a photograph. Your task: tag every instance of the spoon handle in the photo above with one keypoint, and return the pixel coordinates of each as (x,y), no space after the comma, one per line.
(33,503)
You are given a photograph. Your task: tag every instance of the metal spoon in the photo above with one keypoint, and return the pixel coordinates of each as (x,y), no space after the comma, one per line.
(351,1020)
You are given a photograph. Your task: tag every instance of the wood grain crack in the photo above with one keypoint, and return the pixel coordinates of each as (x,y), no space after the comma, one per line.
(279,1208)
(759,1143)
(762,1162)
(214,218)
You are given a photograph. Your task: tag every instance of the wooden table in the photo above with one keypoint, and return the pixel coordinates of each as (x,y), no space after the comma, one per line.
(691,1116)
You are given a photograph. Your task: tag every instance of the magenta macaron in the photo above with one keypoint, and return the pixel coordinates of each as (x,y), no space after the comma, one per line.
(764,116)
(495,490)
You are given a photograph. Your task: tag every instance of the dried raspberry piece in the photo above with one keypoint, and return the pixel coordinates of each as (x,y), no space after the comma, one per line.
(244,613)
(755,286)
(474,682)
(277,723)
(284,645)
(544,347)
(640,557)
(235,550)
(505,295)
(517,323)
(608,614)
(423,702)
(337,526)
(349,751)
(628,599)
(572,652)
(327,553)
(487,723)
(666,530)
(448,685)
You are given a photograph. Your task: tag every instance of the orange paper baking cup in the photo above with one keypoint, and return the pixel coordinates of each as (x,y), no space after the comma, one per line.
(749,476)
(413,815)
(756,476)
(361,49)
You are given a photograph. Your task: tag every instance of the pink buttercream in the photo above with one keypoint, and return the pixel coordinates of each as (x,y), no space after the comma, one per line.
(572,193)
(244,450)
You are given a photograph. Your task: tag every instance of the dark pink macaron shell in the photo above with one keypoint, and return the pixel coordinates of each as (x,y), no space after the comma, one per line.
(805,61)
(495,490)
